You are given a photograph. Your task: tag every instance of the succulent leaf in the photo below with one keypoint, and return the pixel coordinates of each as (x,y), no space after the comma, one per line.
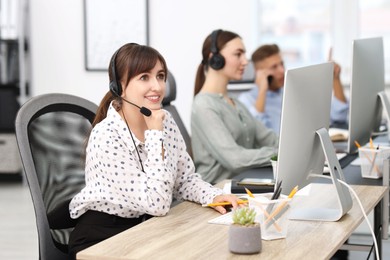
(244,216)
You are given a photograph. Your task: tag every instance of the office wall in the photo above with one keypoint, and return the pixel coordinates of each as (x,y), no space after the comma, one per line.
(177,30)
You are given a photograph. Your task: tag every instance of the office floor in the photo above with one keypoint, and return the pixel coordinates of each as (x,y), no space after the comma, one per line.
(18,235)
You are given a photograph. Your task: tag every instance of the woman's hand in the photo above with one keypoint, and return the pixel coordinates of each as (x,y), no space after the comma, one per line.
(155,120)
(225,198)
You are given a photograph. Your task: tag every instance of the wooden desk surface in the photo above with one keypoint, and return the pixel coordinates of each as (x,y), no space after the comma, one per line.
(185,233)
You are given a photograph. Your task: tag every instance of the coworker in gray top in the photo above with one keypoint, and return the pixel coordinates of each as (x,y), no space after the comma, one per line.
(226,138)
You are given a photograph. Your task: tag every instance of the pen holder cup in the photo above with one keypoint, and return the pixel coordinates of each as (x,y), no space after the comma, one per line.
(272,215)
(371,161)
(274,168)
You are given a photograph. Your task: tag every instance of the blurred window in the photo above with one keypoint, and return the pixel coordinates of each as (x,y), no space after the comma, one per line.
(375,21)
(305,30)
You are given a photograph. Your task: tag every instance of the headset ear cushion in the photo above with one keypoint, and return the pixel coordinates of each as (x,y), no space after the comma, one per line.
(217,61)
(115,89)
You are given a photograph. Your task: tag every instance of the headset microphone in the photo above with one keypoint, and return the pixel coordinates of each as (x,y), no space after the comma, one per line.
(145,111)
(116,88)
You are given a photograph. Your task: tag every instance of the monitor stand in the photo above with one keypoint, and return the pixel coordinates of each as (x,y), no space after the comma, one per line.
(344,198)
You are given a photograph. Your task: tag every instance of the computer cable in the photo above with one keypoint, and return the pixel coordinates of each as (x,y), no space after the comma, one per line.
(361,208)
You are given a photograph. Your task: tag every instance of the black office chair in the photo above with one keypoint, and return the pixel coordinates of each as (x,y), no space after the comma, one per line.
(170,96)
(51,132)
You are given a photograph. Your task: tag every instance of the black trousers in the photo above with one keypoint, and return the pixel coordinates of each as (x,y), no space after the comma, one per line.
(93,227)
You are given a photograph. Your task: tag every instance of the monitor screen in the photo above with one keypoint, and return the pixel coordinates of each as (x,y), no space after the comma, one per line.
(367,80)
(306,109)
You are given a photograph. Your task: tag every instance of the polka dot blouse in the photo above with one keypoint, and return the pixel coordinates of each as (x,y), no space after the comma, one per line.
(115,183)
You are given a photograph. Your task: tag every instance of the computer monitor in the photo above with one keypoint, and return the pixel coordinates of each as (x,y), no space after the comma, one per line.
(304,139)
(367,81)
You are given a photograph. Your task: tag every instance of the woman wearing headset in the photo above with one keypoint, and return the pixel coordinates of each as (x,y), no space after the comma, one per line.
(136,159)
(226,139)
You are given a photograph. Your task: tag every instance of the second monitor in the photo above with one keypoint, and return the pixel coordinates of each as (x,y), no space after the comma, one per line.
(304,139)
(367,91)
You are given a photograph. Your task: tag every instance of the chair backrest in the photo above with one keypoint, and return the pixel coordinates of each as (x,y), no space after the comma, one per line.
(51,132)
(170,95)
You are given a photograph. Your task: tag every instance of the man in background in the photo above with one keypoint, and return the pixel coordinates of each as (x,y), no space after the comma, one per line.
(264,101)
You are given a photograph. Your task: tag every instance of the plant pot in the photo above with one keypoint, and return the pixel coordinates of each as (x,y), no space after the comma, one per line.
(245,239)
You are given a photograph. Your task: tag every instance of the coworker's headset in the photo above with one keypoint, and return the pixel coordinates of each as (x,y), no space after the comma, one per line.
(217,61)
(116,87)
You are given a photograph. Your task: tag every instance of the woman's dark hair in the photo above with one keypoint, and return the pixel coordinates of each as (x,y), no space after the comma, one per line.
(131,60)
(222,39)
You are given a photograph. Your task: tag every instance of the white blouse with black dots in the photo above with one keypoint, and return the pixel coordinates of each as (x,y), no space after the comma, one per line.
(115,183)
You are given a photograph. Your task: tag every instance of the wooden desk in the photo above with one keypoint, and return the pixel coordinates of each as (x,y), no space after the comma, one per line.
(185,233)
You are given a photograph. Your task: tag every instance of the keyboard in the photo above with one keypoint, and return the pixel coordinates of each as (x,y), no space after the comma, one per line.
(225,219)
(345,161)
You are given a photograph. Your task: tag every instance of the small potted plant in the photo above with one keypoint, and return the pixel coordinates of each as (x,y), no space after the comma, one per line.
(274,157)
(244,233)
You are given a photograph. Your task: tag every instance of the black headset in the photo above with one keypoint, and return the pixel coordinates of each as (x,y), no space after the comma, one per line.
(217,61)
(115,85)
(116,90)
